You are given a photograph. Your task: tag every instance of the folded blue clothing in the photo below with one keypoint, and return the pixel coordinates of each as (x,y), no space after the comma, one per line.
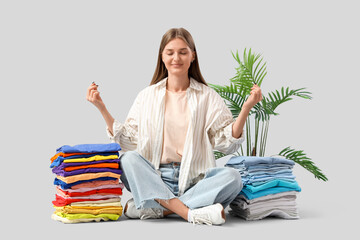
(249,195)
(90,148)
(247,161)
(253,180)
(257,183)
(266,172)
(269,166)
(271,184)
(65,185)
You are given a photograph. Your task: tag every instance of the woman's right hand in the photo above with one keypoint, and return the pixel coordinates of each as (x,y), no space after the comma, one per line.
(93,96)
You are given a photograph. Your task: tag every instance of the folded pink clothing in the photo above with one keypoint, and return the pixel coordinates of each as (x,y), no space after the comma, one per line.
(118,185)
(94,196)
(93,184)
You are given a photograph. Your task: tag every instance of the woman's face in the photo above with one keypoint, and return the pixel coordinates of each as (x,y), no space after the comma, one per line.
(177,57)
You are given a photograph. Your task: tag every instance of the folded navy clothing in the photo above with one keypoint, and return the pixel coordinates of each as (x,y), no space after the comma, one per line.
(89,148)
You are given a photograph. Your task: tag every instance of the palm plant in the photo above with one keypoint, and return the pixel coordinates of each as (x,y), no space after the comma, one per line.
(252,70)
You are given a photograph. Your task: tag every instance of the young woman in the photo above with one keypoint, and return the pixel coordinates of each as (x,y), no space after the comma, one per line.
(169,135)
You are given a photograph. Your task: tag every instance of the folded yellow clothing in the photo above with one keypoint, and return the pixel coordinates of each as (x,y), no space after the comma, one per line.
(86,176)
(93,158)
(79,220)
(89,210)
(72,216)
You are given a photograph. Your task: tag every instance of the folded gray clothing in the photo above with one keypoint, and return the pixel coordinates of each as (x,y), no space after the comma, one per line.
(254,212)
(266,197)
(280,213)
(265,204)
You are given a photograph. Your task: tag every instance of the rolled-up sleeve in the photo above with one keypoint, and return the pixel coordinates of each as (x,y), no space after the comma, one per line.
(126,134)
(220,128)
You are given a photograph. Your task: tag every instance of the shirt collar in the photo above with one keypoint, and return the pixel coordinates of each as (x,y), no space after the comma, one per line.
(193,84)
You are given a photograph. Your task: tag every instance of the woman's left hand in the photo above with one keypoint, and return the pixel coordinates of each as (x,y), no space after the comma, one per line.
(255,97)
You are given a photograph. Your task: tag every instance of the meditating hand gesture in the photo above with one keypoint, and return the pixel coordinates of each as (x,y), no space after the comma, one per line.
(254,98)
(93,96)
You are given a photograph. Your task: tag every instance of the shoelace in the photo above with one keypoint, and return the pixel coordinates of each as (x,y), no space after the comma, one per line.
(201,218)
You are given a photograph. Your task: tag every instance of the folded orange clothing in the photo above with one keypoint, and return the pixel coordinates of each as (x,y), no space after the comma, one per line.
(87,193)
(86,176)
(96,165)
(93,184)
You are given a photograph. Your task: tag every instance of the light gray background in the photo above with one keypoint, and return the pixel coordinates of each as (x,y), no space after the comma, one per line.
(50,51)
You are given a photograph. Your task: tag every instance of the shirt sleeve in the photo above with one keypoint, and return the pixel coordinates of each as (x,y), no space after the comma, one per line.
(220,127)
(126,134)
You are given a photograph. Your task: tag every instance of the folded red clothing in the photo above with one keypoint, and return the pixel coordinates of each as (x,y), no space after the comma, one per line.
(60,201)
(96,191)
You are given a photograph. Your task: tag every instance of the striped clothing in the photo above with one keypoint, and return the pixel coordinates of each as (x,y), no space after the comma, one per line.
(210,127)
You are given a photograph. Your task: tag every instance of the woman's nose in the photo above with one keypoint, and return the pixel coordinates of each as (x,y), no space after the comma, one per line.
(176,56)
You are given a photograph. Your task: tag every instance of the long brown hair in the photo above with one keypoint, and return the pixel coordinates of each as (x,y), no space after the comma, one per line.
(194,69)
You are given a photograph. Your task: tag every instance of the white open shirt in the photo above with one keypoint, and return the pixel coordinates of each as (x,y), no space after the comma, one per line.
(210,127)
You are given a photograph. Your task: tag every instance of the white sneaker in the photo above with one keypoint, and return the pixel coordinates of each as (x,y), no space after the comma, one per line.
(210,215)
(131,212)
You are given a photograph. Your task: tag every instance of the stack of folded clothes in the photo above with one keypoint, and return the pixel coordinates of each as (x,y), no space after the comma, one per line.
(269,188)
(87,183)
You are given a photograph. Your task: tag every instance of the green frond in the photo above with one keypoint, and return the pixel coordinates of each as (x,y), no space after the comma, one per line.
(251,70)
(299,157)
(233,95)
(262,111)
(276,97)
(219,154)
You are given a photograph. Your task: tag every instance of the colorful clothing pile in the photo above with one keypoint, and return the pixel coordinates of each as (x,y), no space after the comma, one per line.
(87,183)
(269,188)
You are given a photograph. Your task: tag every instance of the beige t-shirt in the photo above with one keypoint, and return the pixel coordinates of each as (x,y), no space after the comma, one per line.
(176,122)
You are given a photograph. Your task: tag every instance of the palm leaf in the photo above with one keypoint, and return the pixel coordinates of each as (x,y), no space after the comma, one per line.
(219,154)
(276,98)
(300,158)
(262,110)
(233,95)
(247,75)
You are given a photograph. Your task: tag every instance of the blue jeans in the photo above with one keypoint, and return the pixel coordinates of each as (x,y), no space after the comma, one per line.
(219,185)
